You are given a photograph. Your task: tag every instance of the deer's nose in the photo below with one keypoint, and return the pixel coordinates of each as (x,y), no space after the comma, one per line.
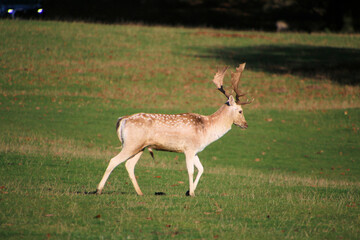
(245,125)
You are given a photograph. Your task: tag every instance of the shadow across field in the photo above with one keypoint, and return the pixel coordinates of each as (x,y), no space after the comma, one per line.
(341,65)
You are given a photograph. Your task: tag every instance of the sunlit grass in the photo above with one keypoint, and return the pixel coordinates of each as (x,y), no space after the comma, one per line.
(293,173)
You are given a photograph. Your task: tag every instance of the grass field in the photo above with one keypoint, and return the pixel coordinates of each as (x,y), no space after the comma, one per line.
(293,174)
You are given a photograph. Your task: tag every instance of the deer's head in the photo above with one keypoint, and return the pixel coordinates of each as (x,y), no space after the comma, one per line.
(234,104)
(237,113)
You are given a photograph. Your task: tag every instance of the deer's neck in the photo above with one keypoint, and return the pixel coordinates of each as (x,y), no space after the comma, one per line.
(219,123)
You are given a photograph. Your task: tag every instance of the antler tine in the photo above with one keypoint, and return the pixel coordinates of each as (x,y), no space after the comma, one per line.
(247,101)
(219,79)
(235,79)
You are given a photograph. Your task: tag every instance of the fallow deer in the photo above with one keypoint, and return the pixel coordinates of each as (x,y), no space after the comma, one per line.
(188,133)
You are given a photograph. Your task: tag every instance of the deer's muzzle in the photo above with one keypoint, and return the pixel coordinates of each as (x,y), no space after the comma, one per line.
(242,125)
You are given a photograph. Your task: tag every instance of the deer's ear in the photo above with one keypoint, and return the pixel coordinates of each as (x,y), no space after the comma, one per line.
(231,101)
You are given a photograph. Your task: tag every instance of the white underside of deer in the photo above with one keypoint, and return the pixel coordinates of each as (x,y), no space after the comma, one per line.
(188,133)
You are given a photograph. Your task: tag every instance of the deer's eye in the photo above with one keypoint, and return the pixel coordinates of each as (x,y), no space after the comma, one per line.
(240,111)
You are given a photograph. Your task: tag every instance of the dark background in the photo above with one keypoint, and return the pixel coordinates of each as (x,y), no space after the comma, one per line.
(300,15)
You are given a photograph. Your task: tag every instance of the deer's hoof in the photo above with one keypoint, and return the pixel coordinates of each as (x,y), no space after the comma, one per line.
(188,194)
(98,192)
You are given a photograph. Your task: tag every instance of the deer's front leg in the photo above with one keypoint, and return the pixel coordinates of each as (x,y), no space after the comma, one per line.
(190,169)
(200,169)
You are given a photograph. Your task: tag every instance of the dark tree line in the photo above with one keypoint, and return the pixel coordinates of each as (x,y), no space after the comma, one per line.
(299,15)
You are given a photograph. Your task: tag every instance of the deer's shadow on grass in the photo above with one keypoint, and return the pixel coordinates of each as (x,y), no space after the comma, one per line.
(104,193)
(341,65)
(114,193)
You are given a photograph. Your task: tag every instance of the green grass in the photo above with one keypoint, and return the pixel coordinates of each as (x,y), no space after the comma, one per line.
(293,174)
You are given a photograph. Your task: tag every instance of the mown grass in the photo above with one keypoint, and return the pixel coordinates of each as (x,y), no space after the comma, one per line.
(294,173)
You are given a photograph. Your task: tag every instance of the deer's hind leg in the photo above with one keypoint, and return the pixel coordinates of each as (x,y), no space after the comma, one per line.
(130,167)
(124,155)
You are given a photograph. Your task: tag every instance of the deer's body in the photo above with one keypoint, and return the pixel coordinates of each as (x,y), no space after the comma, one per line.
(188,133)
(174,133)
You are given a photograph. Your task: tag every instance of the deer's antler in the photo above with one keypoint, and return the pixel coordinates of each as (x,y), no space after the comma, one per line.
(219,80)
(235,79)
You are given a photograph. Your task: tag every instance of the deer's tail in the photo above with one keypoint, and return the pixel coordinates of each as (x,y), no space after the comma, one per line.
(120,128)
